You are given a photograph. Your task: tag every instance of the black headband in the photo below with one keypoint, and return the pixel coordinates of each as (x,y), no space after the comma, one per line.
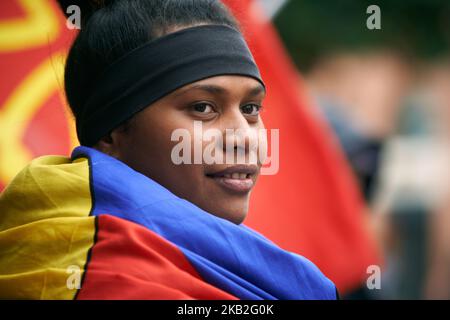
(159,67)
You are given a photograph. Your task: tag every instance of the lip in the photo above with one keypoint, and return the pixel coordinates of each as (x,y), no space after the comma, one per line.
(240,185)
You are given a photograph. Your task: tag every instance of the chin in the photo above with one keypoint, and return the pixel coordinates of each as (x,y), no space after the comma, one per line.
(235,214)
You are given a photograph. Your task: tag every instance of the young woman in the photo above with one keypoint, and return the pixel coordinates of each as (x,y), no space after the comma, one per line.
(123,218)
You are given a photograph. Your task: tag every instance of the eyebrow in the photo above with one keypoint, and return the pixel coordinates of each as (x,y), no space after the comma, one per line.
(257,90)
(213,89)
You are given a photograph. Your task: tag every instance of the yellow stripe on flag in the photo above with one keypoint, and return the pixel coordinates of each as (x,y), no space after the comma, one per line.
(45,229)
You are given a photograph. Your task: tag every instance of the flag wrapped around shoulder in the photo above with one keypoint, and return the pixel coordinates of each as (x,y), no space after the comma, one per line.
(90,227)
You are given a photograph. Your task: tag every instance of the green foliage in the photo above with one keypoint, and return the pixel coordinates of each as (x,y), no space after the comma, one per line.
(314,28)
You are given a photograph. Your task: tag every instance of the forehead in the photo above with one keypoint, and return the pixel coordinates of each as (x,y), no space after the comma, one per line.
(224,84)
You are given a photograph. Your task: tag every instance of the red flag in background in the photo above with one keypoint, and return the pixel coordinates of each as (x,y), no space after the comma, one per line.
(33,122)
(311,206)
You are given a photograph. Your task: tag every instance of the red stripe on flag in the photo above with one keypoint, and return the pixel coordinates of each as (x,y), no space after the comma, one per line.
(129,261)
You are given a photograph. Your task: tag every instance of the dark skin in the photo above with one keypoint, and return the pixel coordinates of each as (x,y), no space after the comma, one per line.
(221,102)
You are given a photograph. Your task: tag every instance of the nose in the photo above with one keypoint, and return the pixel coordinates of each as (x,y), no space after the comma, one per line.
(240,138)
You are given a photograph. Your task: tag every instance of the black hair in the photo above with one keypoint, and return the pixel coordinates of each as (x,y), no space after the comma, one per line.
(111,29)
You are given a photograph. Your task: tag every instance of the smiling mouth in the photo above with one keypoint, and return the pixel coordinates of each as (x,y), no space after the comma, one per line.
(236,179)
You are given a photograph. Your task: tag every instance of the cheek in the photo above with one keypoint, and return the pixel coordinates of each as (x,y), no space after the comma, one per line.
(261,136)
(146,145)
(262,148)
(155,128)
(150,147)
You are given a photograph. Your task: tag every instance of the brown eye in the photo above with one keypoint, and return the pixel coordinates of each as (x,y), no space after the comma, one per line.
(203,108)
(251,109)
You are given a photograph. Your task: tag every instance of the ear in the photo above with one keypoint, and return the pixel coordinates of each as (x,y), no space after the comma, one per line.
(109,145)
(113,143)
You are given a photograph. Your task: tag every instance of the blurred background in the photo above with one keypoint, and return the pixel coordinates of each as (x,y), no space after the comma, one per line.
(386,94)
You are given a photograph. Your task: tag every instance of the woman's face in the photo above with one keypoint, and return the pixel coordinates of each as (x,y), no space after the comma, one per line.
(221,103)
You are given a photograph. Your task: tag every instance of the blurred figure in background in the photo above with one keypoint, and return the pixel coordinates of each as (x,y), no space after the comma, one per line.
(412,189)
(437,95)
(393,124)
(386,94)
(361,96)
